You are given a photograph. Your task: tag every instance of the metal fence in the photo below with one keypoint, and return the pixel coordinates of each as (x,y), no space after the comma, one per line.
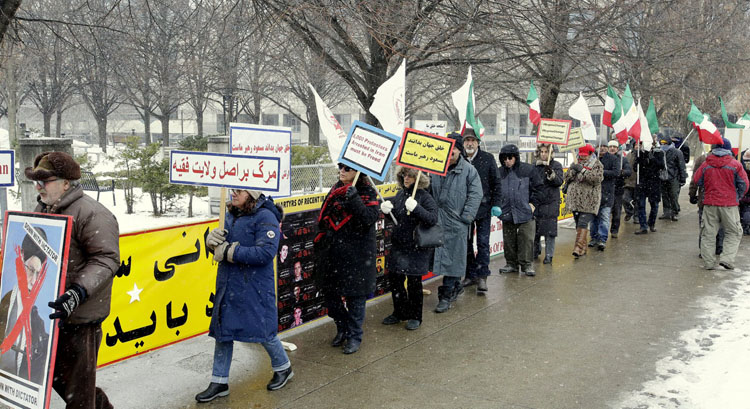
(320,178)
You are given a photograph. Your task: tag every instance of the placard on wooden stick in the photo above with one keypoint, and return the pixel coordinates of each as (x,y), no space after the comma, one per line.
(426,152)
(554,131)
(369,150)
(575,140)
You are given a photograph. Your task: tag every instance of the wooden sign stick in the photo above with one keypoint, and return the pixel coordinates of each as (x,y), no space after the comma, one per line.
(222,207)
(356,177)
(414,192)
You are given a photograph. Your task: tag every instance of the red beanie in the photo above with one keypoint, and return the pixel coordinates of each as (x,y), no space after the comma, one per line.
(586,150)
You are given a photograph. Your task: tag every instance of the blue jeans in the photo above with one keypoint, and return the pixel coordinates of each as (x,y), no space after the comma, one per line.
(600,225)
(349,318)
(653,197)
(223,358)
(479,265)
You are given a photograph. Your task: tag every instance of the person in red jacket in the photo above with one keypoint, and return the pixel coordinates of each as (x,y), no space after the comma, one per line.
(724,182)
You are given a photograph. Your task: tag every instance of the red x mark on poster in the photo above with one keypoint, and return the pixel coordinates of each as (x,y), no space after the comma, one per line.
(27,301)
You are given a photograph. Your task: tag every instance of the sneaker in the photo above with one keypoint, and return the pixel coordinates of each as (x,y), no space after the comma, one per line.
(352,346)
(467,282)
(214,390)
(726,265)
(613,235)
(411,325)
(593,243)
(481,285)
(674,218)
(529,271)
(642,231)
(442,306)
(280,378)
(665,217)
(509,269)
(547,260)
(390,320)
(653,229)
(601,246)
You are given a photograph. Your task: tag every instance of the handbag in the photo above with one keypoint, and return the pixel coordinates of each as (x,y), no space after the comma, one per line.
(428,237)
(664,173)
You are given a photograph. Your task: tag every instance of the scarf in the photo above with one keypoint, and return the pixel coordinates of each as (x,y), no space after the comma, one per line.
(334,214)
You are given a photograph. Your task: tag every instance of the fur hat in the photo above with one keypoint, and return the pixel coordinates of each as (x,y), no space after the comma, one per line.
(49,164)
(586,150)
(30,248)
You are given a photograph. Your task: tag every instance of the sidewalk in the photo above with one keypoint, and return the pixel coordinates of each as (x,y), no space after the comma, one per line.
(578,335)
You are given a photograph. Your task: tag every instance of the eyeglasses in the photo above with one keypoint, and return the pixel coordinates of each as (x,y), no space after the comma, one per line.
(236,192)
(42,184)
(346,168)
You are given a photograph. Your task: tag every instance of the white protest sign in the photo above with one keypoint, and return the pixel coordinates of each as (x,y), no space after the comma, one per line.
(369,150)
(527,143)
(433,127)
(224,170)
(7,174)
(266,141)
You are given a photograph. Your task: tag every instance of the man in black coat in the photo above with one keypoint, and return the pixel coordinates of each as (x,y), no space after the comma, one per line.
(647,166)
(599,227)
(670,189)
(625,171)
(477,266)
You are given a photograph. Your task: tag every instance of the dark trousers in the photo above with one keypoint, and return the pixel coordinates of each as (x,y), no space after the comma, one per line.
(670,192)
(614,219)
(583,219)
(518,243)
(407,301)
(653,200)
(719,234)
(75,367)
(745,217)
(629,202)
(479,265)
(348,318)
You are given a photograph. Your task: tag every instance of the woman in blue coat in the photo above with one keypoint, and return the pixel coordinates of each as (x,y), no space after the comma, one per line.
(245,301)
(407,262)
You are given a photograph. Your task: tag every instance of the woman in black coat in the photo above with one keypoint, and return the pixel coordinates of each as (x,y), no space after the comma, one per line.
(407,262)
(550,171)
(345,253)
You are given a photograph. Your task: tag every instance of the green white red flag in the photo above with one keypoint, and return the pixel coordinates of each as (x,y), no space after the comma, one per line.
(630,115)
(535,112)
(464,101)
(645,135)
(707,131)
(725,117)
(612,107)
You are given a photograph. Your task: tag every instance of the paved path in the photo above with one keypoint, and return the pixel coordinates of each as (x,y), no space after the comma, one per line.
(578,335)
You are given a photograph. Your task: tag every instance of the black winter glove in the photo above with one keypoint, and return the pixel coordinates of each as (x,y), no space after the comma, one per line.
(693,199)
(576,167)
(351,193)
(65,304)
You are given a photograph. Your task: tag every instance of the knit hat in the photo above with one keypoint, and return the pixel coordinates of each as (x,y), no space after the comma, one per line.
(54,164)
(613,143)
(725,145)
(586,150)
(459,141)
(662,139)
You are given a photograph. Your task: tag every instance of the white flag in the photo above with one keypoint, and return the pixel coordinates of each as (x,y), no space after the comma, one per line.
(329,127)
(388,105)
(580,111)
(646,136)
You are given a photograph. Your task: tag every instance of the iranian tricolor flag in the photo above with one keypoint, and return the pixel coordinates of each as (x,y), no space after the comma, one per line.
(612,108)
(707,131)
(464,101)
(744,121)
(725,117)
(630,115)
(646,131)
(535,113)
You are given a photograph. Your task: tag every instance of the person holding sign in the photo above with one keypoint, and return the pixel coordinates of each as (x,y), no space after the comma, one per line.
(550,172)
(345,253)
(408,262)
(583,184)
(245,306)
(93,259)
(521,187)
(458,195)
(478,266)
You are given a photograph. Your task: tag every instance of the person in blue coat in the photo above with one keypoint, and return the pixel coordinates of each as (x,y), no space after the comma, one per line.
(245,307)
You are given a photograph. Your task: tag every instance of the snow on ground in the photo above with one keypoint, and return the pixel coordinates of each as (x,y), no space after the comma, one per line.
(709,366)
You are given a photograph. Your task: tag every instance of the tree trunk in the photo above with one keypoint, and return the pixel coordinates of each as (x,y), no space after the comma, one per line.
(199,122)
(190,203)
(165,130)
(154,203)
(313,125)
(12,100)
(147,126)
(101,125)
(58,123)
(47,124)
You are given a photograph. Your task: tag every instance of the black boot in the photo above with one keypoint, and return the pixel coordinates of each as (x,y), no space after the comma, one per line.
(214,390)
(443,299)
(339,339)
(280,379)
(457,290)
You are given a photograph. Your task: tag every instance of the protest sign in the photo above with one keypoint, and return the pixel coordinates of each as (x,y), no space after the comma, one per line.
(738,139)
(527,143)
(575,140)
(225,170)
(433,127)
(267,141)
(425,152)
(7,163)
(554,131)
(35,261)
(369,150)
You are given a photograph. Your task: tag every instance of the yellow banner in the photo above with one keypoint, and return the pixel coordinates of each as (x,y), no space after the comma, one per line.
(426,152)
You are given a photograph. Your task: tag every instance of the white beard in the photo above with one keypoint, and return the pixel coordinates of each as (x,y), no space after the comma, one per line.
(469,152)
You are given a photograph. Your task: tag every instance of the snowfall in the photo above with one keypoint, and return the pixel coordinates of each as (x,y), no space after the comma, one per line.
(706,368)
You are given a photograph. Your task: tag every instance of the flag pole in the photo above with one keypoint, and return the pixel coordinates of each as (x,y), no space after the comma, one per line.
(381,198)
(688,136)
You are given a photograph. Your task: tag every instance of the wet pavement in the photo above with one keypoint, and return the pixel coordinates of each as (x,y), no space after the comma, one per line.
(578,335)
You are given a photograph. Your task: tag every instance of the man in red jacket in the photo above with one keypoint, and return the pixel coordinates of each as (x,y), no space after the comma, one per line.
(724,183)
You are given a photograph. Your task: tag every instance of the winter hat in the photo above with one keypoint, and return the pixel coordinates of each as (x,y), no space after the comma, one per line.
(662,139)
(613,143)
(586,150)
(31,249)
(724,145)
(49,164)
(507,151)
(469,133)
(459,141)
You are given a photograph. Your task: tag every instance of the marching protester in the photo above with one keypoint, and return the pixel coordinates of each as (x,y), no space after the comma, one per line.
(345,252)
(670,189)
(696,194)
(458,195)
(648,185)
(583,187)
(629,198)
(550,172)
(624,173)
(724,182)
(600,225)
(408,262)
(245,306)
(745,202)
(520,188)
(93,259)
(478,266)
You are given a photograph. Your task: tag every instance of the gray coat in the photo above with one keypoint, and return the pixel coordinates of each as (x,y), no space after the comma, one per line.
(458,195)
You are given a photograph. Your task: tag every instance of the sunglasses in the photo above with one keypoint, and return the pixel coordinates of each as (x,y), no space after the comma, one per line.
(41,184)
(346,168)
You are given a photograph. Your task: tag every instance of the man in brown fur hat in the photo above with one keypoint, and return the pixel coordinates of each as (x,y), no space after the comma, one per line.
(93,259)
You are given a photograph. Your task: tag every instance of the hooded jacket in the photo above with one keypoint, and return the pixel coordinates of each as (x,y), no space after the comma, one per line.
(519,186)
(486,167)
(245,306)
(723,179)
(675,163)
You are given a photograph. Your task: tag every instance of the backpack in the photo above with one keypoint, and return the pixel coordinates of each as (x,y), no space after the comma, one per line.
(664,173)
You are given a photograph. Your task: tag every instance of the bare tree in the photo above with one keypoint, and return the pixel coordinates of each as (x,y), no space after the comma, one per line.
(8,9)
(12,91)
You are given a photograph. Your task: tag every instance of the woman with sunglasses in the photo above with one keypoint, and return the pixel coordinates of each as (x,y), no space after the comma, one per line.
(245,307)
(407,262)
(345,255)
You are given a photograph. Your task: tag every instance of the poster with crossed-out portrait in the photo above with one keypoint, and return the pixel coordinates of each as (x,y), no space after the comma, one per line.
(34,263)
